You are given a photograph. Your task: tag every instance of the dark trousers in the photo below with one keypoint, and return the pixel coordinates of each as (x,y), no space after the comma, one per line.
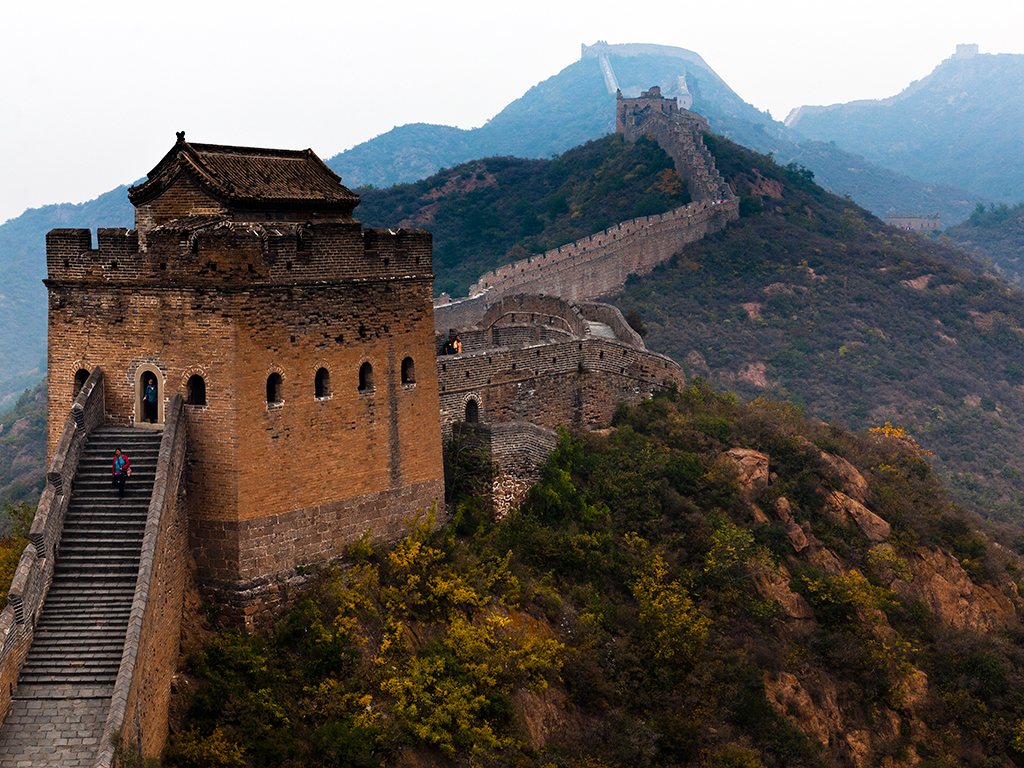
(150,411)
(118,480)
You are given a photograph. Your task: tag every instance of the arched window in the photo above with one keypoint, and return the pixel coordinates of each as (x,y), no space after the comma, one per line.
(195,390)
(275,395)
(408,371)
(366,378)
(472,411)
(80,376)
(322,383)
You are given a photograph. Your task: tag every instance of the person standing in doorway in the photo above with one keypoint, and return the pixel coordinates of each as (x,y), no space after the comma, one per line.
(120,471)
(149,401)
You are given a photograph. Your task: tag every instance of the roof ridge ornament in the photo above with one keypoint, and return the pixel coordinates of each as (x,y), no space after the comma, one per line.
(181,136)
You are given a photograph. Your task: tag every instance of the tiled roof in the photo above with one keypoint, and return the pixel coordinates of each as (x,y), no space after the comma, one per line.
(250,175)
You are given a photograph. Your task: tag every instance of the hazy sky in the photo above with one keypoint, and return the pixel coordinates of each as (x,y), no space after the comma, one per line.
(94,91)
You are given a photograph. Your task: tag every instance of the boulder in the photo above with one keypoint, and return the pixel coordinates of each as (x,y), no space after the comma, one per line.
(843,508)
(944,586)
(751,471)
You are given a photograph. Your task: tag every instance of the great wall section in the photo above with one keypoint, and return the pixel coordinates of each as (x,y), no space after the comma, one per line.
(334,342)
(598,265)
(537,352)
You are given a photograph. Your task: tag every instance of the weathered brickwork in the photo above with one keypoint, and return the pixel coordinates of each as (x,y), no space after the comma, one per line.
(561,374)
(533,363)
(312,341)
(519,450)
(680,133)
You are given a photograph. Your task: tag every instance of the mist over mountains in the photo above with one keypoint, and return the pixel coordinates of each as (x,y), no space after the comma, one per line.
(578,104)
(566,110)
(961,125)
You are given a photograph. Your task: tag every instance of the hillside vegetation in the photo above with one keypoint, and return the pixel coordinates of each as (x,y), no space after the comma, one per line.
(708,584)
(495,211)
(995,235)
(23,449)
(956,126)
(815,301)
(23,298)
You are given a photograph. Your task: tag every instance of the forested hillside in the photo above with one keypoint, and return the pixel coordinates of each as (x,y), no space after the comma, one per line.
(497,210)
(815,301)
(23,449)
(995,235)
(23,296)
(707,584)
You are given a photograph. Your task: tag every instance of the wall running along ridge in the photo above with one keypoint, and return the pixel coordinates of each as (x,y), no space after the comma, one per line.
(594,266)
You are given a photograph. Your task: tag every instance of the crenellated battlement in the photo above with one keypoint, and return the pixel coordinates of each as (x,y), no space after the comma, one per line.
(217,249)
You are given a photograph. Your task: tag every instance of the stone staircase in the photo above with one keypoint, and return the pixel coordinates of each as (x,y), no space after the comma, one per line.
(60,705)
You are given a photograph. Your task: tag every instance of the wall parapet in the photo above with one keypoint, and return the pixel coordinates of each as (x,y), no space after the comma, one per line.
(139,706)
(34,573)
(594,266)
(217,249)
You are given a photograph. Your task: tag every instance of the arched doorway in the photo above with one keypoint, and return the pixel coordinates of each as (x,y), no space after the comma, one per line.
(472,411)
(144,375)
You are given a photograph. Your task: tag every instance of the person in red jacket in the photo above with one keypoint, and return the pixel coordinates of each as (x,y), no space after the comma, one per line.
(120,471)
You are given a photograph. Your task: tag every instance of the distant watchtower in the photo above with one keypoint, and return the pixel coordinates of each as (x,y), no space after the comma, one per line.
(302,344)
(679,132)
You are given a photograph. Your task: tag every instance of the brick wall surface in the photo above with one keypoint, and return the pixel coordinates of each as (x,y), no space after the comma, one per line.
(593,266)
(236,305)
(577,384)
(519,450)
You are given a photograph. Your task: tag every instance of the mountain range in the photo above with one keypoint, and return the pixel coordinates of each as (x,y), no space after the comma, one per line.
(578,104)
(960,125)
(568,109)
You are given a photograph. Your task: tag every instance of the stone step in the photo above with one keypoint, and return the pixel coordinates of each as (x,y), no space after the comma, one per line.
(91,536)
(80,633)
(122,508)
(91,584)
(84,645)
(82,625)
(85,627)
(105,676)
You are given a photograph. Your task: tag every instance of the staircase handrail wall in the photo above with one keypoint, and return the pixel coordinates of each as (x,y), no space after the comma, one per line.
(139,706)
(35,568)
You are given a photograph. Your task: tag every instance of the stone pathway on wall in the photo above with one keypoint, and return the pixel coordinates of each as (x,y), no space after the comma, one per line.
(600,330)
(48,732)
(59,708)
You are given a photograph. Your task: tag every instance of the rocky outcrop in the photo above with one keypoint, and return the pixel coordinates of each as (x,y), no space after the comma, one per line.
(839,470)
(844,509)
(752,471)
(938,580)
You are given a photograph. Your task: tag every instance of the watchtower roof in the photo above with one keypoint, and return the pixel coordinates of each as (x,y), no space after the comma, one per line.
(250,176)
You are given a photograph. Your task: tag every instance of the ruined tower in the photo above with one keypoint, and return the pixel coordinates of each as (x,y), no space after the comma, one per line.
(301,342)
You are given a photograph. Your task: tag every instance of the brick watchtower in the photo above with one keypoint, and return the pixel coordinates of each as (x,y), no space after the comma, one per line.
(680,133)
(302,343)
